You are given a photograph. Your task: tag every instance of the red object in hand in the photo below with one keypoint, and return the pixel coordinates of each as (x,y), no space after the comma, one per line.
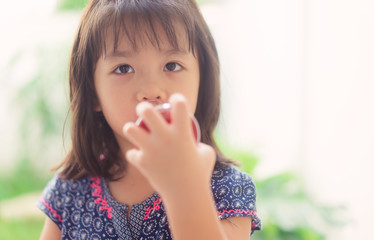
(164,109)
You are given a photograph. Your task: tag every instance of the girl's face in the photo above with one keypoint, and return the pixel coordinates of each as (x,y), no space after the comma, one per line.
(127,77)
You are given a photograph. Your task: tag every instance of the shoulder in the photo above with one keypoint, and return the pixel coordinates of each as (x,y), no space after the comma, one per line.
(230,181)
(230,171)
(234,193)
(60,193)
(62,187)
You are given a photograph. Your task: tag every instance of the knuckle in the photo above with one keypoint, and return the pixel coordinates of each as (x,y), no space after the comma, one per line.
(147,110)
(181,104)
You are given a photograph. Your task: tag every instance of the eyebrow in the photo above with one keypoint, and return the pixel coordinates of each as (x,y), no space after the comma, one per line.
(126,53)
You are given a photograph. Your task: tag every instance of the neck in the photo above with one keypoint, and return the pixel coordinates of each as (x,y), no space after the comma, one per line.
(132,188)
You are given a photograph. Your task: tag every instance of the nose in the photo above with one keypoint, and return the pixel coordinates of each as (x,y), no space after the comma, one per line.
(152,93)
(154,100)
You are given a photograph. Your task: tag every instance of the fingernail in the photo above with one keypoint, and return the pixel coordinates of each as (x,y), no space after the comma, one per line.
(142,106)
(177,97)
(126,126)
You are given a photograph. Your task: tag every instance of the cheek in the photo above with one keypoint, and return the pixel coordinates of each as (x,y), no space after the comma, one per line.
(196,89)
(192,95)
(117,110)
(117,117)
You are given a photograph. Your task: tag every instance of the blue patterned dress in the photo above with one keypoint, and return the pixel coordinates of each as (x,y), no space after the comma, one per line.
(85,209)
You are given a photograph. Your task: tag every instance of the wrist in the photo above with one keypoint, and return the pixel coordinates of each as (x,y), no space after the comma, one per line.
(188,195)
(193,214)
(186,190)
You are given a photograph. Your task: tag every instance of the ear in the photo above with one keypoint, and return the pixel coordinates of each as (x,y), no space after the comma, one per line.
(97,105)
(97,108)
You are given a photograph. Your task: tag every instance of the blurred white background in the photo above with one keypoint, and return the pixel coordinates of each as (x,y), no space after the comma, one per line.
(297,80)
(298,91)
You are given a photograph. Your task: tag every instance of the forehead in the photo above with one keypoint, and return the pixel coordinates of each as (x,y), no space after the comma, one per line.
(132,35)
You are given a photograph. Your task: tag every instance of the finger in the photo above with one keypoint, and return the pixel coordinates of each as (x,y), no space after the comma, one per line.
(179,113)
(151,117)
(137,136)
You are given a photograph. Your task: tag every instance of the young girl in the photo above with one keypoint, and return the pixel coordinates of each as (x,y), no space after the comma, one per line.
(120,181)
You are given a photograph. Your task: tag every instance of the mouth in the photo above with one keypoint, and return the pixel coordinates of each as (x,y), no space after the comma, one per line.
(164,109)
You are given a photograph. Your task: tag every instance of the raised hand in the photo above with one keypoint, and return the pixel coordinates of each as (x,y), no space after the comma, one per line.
(168,155)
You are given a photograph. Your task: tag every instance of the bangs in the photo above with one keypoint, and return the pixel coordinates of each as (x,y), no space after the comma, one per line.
(141,22)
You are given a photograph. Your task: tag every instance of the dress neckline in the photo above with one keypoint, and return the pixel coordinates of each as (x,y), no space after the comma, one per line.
(141,205)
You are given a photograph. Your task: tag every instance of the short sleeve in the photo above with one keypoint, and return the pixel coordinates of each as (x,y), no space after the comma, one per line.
(51,202)
(235,195)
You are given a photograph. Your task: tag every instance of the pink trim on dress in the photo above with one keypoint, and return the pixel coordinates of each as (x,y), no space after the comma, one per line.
(51,209)
(156,206)
(250,212)
(100,199)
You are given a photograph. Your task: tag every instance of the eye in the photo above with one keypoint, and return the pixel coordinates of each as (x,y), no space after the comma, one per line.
(123,69)
(173,67)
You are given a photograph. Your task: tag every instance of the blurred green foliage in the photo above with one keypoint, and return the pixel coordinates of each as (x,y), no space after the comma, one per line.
(39,108)
(65,5)
(24,179)
(286,209)
(21,181)
(20,229)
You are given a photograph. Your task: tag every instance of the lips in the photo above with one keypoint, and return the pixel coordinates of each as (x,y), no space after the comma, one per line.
(164,109)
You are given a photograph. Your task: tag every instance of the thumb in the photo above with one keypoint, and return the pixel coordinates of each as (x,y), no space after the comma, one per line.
(208,155)
(133,156)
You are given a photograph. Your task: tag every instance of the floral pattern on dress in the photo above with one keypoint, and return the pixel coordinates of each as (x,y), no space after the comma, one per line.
(85,208)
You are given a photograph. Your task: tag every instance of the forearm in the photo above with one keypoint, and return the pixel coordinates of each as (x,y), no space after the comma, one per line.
(192,215)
